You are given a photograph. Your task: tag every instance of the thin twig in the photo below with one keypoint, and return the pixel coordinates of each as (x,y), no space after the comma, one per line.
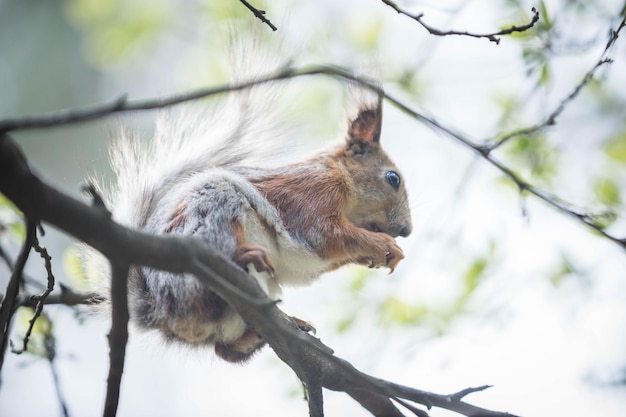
(57,388)
(551,119)
(66,297)
(9,303)
(493,37)
(260,14)
(39,300)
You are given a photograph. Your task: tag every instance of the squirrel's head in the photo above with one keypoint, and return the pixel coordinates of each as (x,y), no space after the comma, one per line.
(379,200)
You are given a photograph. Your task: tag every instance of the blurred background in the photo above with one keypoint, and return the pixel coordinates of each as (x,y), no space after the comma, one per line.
(496,288)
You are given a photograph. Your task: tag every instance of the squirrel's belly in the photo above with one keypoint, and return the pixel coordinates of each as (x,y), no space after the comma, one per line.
(295,264)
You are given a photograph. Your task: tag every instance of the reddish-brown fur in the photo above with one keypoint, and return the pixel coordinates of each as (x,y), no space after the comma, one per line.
(317,199)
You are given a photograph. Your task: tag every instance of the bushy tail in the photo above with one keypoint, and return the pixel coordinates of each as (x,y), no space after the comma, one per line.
(242,128)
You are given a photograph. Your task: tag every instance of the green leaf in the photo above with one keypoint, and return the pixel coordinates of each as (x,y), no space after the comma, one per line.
(41,333)
(565,269)
(545,20)
(8,204)
(116,29)
(397,311)
(615,147)
(533,155)
(75,269)
(604,220)
(607,192)
(544,78)
(345,323)
(11,219)
(474,275)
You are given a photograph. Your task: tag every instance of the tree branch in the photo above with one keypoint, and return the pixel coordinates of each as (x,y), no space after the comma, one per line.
(118,337)
(493,37)
(260,14)
(38,300)
(313,362)
(9,303)
(551,119)
(123,105)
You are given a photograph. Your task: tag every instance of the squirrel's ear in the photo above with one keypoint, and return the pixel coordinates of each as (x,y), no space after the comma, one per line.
(367,124)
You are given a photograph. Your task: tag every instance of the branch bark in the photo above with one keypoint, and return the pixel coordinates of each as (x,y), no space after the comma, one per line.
(492,37)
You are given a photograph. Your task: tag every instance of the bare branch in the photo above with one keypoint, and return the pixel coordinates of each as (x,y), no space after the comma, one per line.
(314,363)
(118,337)
(260,14)
(551,119)
(66,297)
(57,382)
(484,151)
(493,37)
(39,300)
(9,303)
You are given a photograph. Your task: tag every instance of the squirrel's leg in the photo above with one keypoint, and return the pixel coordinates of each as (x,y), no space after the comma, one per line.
(250,341)
(241,349)
(247,254)
(348,243)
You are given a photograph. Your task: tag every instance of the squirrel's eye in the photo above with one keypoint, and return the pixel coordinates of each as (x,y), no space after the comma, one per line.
(393,179)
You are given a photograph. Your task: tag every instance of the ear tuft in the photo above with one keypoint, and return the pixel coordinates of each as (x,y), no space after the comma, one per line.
(364,111)
(366,126)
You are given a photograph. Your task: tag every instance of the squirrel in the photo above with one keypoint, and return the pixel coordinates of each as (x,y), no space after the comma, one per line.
(286,225)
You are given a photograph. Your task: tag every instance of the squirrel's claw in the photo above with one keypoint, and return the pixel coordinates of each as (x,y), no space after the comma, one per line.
(393,257)
(257,256)
(304,325)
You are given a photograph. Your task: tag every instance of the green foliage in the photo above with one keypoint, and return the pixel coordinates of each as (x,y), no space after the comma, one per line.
(398,308)
(615,147)
(473,276)
(345,323)
(533,156)
(607,192)
(545,22)
(564,270)
(397,311)
(11,219)
(410,82)
(115,28)
(40,342)
(604,219)
(76,270)
(365,31)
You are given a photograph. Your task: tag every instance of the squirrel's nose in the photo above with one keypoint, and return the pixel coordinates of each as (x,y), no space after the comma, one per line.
(400,230)
(405,231)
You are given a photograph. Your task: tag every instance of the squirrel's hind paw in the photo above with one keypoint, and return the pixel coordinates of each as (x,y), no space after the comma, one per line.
(241,349)
(255,255)
(304,325)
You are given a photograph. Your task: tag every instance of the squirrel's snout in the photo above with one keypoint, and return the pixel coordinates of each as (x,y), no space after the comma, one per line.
(393,230)
(405,231)
(399,230)
(402,230)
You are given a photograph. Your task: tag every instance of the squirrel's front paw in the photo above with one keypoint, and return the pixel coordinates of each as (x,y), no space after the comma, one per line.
(387,253)
(394,256)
